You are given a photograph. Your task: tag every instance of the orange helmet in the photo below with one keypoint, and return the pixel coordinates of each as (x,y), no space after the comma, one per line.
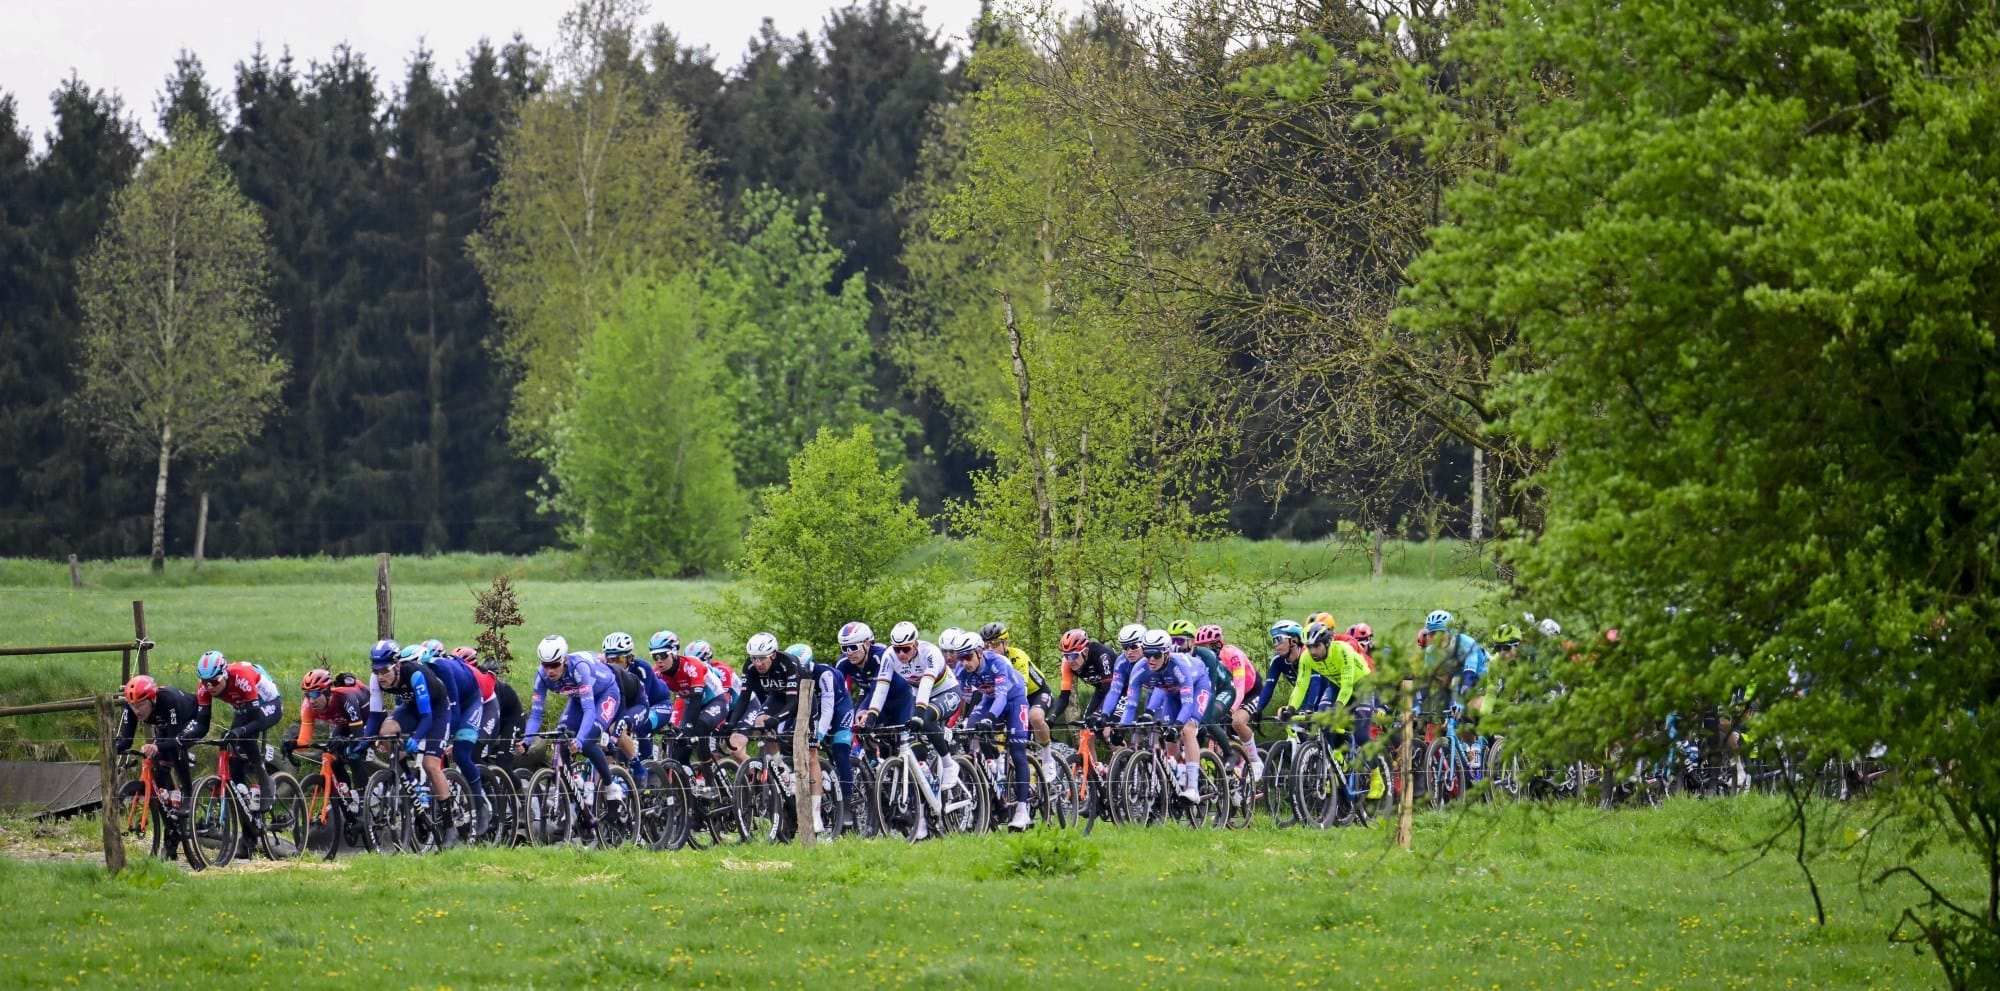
(142,688)
(1074,641)
(1324,618)
(316,680)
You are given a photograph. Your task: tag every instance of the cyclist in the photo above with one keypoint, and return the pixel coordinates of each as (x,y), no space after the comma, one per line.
(503,718)
(468,715)
(254,695)
(423,710)
(999,697)
(1085,660)
(701,703)
(1241,676)
(1288,647)
(937,698)
(649,708)
(773,676)
(166,710)
(1182,683)
(868,669)
(731,681)
(1331,661)
(345,707)
(1111,709)
(593,703)
(1216,719)
(1452,654)
(1039,696)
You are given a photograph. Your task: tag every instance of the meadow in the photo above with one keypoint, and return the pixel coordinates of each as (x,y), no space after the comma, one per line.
(1516,897)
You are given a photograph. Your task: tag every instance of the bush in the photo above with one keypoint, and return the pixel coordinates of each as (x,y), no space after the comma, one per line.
(1047,852)
(827,547)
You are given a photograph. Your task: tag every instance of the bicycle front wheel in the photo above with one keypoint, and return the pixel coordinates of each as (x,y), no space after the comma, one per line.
(214,821)
(323,820)
(285,825)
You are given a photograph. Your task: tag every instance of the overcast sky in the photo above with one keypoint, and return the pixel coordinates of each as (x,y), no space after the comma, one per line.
(128,46)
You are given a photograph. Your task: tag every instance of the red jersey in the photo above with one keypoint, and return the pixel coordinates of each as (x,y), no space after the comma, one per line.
(243,685)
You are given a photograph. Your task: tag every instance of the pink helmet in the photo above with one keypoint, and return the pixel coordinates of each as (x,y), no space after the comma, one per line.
(1209,635)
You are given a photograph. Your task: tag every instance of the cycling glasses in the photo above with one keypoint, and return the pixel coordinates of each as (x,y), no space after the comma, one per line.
(853,648)
(965,655)
(317,694)
(1071,655)
(904,649)
(1154,653)
(551,665)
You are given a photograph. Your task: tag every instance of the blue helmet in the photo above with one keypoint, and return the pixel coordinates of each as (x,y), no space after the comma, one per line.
(383,653)
(415,653)
(433,649)
(1437,621)
(664,642)
(1288,628)
(701,651)
(211,666)
(802,651)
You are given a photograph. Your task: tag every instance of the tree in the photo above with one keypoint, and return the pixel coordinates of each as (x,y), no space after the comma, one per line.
(789,334)
(176,351)
(594,188)
(831,547)
(188,98)
(1745,255)
(644,454)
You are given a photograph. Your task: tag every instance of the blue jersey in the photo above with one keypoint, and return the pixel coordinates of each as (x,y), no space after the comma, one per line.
(833,710)
(585,679)
(420,688)
(993,687)
(1181,678)
(875,680)
(1467,651)
(460,683)
(1115,698)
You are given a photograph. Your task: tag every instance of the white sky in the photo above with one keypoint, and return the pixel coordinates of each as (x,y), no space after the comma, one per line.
(128,46)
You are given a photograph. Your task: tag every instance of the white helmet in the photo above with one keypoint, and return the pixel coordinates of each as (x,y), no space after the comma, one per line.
(904,632)
(761,644)
(854,634)
(1549,628)
(553,648)
(1157,640)
(951,638)
(618,645)
(1130,634)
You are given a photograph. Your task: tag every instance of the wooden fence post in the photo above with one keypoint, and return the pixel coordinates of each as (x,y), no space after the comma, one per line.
(139,634)
(114,834)
(1406,797)
(803,773)
(75,573)
(385,619)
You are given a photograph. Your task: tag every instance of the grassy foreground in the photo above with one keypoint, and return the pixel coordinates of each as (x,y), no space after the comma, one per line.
(1521,898)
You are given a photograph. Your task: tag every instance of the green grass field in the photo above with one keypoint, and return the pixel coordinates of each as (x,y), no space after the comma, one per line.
(1515,898)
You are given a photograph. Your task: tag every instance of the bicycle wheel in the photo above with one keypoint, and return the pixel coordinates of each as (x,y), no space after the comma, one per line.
(1380,793)
(1504,770)
(384,813)
(965,809)
(897,799)
(140,819)
(502,812)
(756,791)
(1277,784)
(619,819)
(214,821)
(1055,798)
(869,823)
(663,806)
(546,810)
(1315,786)
(1213,811)
(1146,793)
(324,823)
(1445,771)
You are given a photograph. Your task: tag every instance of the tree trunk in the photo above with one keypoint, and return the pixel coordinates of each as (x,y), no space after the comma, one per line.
(1478,494)
(160,501)
(201,532)
(1044,513)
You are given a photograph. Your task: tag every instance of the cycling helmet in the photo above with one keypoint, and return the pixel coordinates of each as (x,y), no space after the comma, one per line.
(1209,635)
(1130,634)
(1074,641)
(855,634)
(974,641)
(383,652)
(211,666)
(761,645)
(1550,628)
(466,654)
(965,641)
(434,648)
(414,652)
(553,648)
(1155,642)
(664,642)
(1437,621)
(1181,628)
(618,645)
(1318,634)
(1506,633)
(1322,618)
(1362,632)
(904,632)
(316,680)
(701,651)
(142,688)
(802,651)
(1287,628)
(995,630)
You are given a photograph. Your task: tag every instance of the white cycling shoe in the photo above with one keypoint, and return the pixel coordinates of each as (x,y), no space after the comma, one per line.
(1021,818)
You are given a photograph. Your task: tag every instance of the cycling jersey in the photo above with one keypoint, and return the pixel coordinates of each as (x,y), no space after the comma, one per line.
(731,681)
(172,709)
(649,703)
(1221,686)
(777,689)
(925,670)
(593,695)
(1242,673)
(346,710)
(1456,649)
(690,681)
(1023,666)
(244,685)
(996,690)
(1342,669)
(423,702)
(1118,696)
(1180,679)
(1093,666)
(871,674)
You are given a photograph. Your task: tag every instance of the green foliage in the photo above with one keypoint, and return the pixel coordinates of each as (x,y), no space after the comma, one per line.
(798,354)
(598,183)
(496,609)
(644,457)
(828,546)
(1050,852)
(1747,253)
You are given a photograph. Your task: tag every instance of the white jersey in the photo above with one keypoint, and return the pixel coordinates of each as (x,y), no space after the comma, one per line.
(926,670)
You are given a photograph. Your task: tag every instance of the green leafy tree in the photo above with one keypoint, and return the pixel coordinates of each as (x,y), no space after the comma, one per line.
(598,182)
(790,334)
(830,548)
(177,351)
(1747,255)
(644,454)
